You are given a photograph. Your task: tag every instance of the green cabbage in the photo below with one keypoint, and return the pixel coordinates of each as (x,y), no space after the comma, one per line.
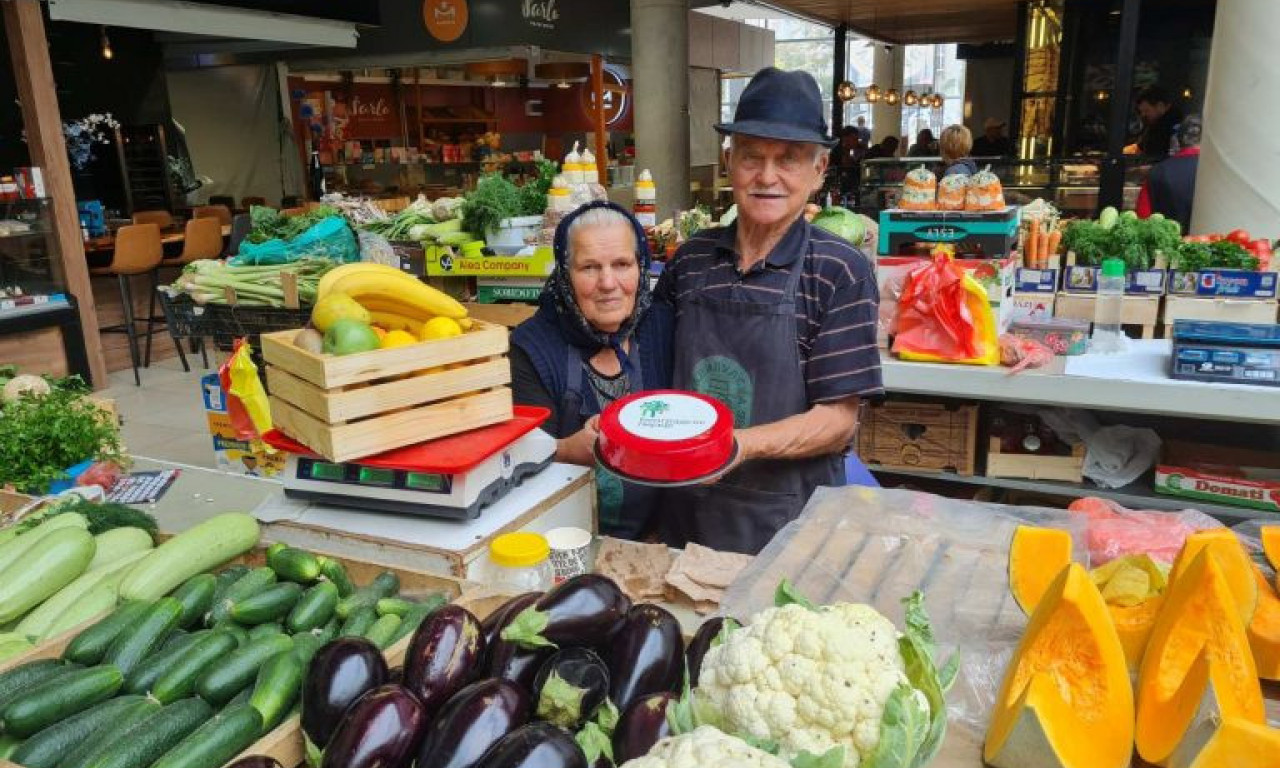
(841,222)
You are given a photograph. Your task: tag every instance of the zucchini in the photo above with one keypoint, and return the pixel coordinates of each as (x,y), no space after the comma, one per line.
(193,551)
(142,639)
(314,608)
(98,601)
(180,679)
(148,740)
(116,544)
(145,675)
(415,616)
(91,645)
(296,565)
(9,745)
(13,548)
(49,746)
(393,605)
(217,741)
(335,571)
(246,586)
(63,696)
(90,749)
(240,669)
(47,566)
(24,676)
(271,604)
(277,687)
(36,624)
(14,646)
(196,597)
(359,622)
(263,630)
(382,630)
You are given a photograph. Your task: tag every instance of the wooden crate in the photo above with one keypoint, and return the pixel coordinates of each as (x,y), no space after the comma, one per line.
(1141,311)
(1034,467)
(351,406)
(1218,309)
(920,436)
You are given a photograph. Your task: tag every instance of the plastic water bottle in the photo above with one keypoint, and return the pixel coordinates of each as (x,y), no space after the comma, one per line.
(1108,337)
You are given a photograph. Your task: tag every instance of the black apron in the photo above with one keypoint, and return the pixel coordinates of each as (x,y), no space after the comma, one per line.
(746,354)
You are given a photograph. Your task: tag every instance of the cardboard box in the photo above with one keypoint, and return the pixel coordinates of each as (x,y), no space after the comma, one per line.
(471,262)
(492,290)
(1234,310)
(232,453)
(992,234)
(912,435)
(1036,280)
(1220,474)
(1031,306)
(1142,282)
(1234,283)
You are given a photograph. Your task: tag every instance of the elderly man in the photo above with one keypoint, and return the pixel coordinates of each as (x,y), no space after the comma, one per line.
(776,319)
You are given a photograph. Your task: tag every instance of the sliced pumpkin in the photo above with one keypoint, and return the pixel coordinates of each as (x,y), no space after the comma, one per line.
(1271,544)
(1233,562)
(1264,630)
(1066,700)
(1235,743)
(1133,625)
(1036,557)
(1197,668)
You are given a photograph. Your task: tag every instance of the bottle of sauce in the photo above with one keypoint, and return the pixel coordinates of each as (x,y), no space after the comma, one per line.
(646,205)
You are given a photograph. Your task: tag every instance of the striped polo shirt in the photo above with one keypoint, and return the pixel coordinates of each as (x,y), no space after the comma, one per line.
(836,303)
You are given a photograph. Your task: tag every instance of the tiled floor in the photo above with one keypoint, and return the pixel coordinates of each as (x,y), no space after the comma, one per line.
(164,418)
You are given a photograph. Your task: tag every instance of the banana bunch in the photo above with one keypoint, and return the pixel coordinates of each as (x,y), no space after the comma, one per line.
(396,301)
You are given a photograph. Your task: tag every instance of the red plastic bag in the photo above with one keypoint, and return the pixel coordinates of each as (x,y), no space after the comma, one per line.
(943,316)
(236,411)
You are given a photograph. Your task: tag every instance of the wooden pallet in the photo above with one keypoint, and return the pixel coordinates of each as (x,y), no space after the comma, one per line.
(1217,309)
(352,406)
(1142,312)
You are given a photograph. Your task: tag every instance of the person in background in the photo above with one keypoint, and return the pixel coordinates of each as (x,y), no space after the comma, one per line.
(597,335)
(955,145)
(925,146)
(1160,118)
(888,147)
(776,319)
(846,159)
(863,130)
(992,142)
(1170,187)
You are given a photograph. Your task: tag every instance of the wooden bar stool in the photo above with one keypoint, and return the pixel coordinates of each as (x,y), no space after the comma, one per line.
(202,240)
(219,212)
(137,252)
(162,219)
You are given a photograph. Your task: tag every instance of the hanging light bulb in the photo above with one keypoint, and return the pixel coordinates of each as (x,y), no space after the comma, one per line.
(873,93)
(107,53)
(937,101)
(910,98)
(891,96)
(845,91)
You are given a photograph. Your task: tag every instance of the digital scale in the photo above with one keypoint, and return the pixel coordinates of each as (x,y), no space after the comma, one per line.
(454,477)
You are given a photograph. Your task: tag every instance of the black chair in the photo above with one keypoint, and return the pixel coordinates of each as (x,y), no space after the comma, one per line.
(240,226)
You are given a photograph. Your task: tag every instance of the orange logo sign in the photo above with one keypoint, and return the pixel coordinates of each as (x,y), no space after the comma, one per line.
(446,20)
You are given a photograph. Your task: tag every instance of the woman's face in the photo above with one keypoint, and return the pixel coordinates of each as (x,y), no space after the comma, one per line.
(604,273)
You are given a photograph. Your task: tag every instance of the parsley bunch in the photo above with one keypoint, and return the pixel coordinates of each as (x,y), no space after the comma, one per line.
(43,435)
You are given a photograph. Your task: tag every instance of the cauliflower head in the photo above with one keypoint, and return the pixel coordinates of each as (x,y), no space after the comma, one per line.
(808,680)
(705,747)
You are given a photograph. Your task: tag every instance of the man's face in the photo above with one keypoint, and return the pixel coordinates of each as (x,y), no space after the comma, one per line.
(1151,112)
(772,180)
(993,132)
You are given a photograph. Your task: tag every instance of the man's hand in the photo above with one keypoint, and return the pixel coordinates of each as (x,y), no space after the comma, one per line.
(578,448)
(824,429)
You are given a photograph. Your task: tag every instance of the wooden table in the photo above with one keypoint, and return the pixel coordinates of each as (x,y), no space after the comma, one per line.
(167,237)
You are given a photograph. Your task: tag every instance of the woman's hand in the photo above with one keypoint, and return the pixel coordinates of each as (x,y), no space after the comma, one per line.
(578,448)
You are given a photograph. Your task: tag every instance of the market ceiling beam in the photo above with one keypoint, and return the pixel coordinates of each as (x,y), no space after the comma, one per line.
(37,93)
(913,21)
(198,19)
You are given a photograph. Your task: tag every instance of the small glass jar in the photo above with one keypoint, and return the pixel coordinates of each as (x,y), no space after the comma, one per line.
(519,562)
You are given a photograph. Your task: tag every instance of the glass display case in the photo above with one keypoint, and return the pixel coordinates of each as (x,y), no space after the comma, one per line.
(1071,184)
(30,271)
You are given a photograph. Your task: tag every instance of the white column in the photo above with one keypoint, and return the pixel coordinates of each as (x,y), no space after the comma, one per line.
(887,71)
(660,72)
(1238,181)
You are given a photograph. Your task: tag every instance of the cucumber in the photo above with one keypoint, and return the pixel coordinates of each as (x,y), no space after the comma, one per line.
(193,551)
(148,740)
(175,637)
(9,745)
(180,679)
(196,598)
(13,548)
(90,749)
(241,699)
(359,622)
(314,608)
(91,645)
(246,586)
(98,601)
(235,630)
(385,584)
(49,746)
(306,644)
(295,565)
(118,543)
(393,605)
(227,576)
(157,664)
(275,547)
(36,624)
(142,639)
(217,741)
(22,677)
(382,630)
(415,616)
(47,566)
(277,687)
(239,669)
(336,572)
(263,630)
(271,604)
(60,698)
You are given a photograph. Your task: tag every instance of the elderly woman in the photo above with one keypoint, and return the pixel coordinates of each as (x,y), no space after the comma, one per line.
(597,336)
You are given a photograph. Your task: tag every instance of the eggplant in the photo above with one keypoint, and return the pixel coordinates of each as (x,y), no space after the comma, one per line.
(255,761)
(647,655)
(536,745)
(584,610)
(707,637)
(443,655)
(497,621)
(475,719)
(396,675)
(570,686)
(342,671)
(508,661)
(382,730)
(642,725)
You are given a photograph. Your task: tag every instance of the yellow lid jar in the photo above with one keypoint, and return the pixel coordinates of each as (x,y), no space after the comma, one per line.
(519,561)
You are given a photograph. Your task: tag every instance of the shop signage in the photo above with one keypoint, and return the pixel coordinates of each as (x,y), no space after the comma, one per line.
(540,13)
(445,20)
(615,97)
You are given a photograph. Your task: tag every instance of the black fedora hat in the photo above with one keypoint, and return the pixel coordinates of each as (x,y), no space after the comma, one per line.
(781,105)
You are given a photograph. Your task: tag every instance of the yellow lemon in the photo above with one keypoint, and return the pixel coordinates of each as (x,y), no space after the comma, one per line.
(395,339)
(335,307)
(440,328)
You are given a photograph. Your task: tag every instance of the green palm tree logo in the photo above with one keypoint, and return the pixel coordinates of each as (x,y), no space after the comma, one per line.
(653,408)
